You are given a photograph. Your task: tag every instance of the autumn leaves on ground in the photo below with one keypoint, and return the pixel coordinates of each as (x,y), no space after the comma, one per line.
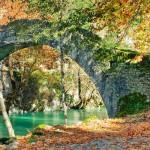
(131,132)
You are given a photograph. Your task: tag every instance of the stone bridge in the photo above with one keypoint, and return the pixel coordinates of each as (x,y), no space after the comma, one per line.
(79,45)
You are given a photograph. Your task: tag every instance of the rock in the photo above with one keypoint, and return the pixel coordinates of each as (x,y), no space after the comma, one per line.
(76,147)
(12,146)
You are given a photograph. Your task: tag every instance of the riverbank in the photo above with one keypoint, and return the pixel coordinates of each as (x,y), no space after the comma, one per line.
(24,123)
(128,133)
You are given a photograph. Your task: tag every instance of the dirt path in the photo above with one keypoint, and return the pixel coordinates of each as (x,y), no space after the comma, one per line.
(138,143)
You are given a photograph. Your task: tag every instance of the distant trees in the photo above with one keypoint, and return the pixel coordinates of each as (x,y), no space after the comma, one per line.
(122,19)
(23,66)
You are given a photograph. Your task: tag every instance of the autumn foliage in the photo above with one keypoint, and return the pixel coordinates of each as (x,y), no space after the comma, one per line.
(14,10)
(126,18)
(35,57)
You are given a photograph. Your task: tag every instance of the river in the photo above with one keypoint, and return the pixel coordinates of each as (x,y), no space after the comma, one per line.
(24,123)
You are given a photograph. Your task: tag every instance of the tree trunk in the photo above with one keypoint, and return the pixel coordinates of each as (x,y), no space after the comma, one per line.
(3,107)
(79,86)
(5,117)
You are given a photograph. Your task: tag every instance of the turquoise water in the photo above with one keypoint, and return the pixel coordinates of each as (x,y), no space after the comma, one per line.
(23,123)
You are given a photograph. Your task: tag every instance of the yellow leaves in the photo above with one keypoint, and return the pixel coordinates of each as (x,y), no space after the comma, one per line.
(129,17)
(117,14)
(137,59)
(141,32)
(45,47)
(116,6)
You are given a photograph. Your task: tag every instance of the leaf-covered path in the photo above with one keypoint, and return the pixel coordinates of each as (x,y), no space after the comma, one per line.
(129,133)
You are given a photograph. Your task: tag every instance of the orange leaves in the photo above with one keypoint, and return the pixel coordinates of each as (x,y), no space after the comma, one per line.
(34,57)
(138,129)
(49,56)
(123,1)
(13,10)
(137,59)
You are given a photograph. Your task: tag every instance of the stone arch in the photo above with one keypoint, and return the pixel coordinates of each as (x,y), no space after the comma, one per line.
(78,44)
(89,91)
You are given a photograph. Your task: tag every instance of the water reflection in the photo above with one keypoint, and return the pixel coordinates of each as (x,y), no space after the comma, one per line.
(23,123)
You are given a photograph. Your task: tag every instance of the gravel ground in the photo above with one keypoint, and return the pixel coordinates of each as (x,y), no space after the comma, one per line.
(138,143)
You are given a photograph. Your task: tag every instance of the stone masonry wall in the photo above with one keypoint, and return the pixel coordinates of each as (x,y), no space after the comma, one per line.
(122,81)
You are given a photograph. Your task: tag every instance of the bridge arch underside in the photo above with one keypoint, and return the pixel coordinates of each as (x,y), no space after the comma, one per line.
(85,63)
(80,46)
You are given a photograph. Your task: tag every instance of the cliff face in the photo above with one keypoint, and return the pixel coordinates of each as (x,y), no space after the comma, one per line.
(118,82)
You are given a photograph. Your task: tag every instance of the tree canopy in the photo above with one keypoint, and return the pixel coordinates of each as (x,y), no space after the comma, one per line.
(123,25)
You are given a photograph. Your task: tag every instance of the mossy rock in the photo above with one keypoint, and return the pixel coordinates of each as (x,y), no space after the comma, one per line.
(42,126)
(39,130)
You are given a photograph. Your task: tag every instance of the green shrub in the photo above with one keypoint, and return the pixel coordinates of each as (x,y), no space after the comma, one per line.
(132,104)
